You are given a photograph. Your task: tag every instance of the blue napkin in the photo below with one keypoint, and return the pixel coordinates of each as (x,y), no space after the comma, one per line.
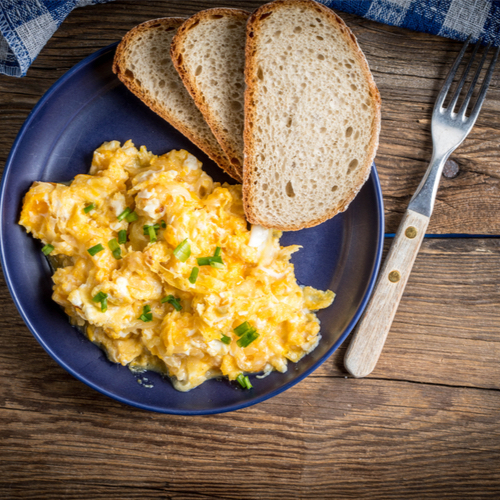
(27,25)
(455,19)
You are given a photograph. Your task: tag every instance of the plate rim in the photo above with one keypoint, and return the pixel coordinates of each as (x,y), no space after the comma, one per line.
(232,407)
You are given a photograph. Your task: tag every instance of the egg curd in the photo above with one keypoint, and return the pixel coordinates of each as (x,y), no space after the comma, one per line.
(161,271)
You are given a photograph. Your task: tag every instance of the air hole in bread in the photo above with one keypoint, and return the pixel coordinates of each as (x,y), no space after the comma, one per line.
(267,14)
(289,190)
(129,74)
(265,187)
(289,122)
(319,37)
(232,27)
(260,74)
(352,166)
(322,130)
(321,57)
(297,29)
(198,71)
(348,132)
(347,65)
(334,188)
(195,23)
(216,16)
(156,25)
(277,34)
(264,88)
(236,105)
(354,87)
(161,83)
(235,161)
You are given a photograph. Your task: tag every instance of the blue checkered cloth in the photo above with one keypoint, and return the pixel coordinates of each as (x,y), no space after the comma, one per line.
(27,25)
(455,19)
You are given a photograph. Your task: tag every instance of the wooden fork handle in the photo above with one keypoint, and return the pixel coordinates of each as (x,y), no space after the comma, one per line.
(369,338)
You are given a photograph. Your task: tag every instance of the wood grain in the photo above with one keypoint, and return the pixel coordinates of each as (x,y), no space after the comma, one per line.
(411,430)
(423,425)
(370,334)
(408,67)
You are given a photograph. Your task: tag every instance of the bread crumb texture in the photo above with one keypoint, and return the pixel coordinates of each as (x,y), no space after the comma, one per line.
(213,59)
(144,64)
(314,117)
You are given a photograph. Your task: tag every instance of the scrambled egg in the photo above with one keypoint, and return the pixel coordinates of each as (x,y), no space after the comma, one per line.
(192,292)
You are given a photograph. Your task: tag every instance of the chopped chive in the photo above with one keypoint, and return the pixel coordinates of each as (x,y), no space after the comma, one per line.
(95,249)
(47,249)
(132,217)
(146,315)
(243,328)
(124,214)
(247,338)
(173,301)
(88,208)
(145,229)
(217,252)
(113,245)
(99,297)
(203,261)
(244,381)
(104,305)
(241,380)
(122,236)
(216,262)
(152,234)
(194,275)
(183,250)
(117,254)
(163,224)
(225,339)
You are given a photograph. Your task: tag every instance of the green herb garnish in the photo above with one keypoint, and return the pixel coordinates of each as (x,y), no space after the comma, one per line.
(183,250)
(47,249)
(88,208)
(95,249)
(173,301)
(194,275)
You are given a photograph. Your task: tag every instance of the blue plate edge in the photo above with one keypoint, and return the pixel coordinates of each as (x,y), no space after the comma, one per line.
(335,346)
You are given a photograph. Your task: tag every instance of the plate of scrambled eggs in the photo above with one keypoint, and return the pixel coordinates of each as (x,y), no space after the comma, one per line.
(141,275)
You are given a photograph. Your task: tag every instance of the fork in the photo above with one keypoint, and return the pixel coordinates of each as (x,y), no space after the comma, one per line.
(449,129)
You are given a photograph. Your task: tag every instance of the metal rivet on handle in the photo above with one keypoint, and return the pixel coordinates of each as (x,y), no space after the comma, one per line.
(411,232)
(394,276)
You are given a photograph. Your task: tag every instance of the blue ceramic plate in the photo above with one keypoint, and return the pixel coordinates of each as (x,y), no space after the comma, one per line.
(88,106)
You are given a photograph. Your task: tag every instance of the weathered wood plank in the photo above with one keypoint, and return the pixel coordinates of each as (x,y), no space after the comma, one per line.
(447,328)
(408,67)
(326,438)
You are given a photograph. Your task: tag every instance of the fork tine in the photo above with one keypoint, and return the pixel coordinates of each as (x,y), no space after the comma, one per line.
(484,88)
(449,79)
(454,100)
(463,109)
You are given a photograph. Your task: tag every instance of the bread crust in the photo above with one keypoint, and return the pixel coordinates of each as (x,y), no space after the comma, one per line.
(176,49)
(253,34)
(120,69)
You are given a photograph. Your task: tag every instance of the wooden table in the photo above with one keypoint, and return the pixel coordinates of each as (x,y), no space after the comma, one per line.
(424,424)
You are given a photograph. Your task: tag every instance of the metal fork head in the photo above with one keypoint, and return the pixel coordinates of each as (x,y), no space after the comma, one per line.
(450,127)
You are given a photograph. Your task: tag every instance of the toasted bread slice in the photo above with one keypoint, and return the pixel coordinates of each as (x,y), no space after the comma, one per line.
(142,62)
(312,116)
(208,51)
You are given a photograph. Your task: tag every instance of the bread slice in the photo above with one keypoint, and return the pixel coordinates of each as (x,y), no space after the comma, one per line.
(142,62)
(209,53)
(312,116)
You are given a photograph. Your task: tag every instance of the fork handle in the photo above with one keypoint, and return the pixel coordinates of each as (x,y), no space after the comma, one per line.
(369,338)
